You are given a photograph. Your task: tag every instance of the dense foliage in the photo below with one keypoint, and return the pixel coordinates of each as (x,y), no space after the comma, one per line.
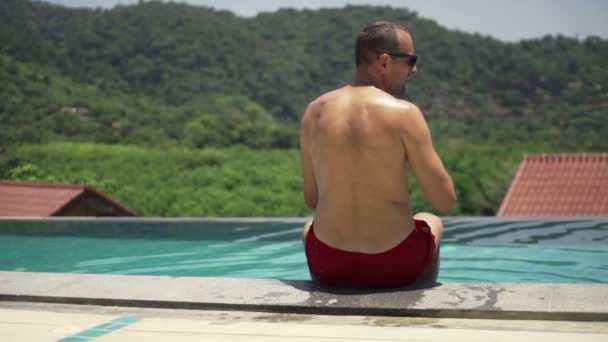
(236,181)
(164,85)
(232,181)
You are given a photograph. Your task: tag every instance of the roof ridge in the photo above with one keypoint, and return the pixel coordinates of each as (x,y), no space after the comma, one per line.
(82,186)
(566,156)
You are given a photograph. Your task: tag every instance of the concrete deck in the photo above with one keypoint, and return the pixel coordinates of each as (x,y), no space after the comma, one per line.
(566,302)
(60,322)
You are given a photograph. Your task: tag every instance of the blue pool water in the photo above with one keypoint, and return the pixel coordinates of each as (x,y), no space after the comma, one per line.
(473,249)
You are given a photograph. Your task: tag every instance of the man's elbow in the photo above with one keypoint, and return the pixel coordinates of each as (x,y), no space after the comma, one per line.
(448,200)
(311,200)
(312,205)
(447,203)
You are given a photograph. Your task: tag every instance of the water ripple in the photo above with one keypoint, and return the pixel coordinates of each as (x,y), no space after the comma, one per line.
(113,261)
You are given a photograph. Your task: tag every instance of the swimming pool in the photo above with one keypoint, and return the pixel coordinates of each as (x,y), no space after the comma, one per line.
(547,250)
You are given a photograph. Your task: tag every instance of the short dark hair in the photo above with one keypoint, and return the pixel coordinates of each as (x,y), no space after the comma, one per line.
(377,38)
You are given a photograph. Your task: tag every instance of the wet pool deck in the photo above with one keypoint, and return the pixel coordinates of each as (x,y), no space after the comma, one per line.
(60,322)
(81,307)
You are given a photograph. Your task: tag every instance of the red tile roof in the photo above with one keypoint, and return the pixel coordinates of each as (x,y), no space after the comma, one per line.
(44,199)
(565,184)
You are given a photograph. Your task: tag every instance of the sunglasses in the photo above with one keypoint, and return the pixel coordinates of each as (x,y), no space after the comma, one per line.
(412,58)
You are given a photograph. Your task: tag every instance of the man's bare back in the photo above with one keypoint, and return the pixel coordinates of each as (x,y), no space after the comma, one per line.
(359,158)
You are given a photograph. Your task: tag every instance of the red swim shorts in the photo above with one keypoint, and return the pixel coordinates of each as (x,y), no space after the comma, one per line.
(399,266)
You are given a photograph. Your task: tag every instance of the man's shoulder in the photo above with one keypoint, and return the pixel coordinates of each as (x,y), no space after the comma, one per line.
(328,96)
(317,104)
(374,99)
(398,108)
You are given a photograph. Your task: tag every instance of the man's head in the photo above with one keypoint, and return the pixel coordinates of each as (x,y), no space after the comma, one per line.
(384,51)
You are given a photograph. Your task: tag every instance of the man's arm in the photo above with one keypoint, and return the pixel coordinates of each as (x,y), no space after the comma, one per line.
(437,185)
(310,184)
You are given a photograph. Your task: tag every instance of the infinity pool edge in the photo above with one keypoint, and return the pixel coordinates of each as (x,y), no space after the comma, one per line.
(522,301)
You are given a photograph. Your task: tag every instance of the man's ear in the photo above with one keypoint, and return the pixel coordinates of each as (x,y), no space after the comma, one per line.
(383,63)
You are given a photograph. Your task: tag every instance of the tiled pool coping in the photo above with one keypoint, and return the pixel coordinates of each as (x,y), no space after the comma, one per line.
(571,302)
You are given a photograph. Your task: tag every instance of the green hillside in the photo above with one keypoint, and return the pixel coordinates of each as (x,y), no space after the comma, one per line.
(173,58)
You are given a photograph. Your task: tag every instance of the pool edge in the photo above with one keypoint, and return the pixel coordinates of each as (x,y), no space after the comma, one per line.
(521,301)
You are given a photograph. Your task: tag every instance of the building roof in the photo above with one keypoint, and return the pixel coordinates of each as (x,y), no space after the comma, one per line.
(45,199)
(565,184)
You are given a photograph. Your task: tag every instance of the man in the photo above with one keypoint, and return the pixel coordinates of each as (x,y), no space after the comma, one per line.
(356,145)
